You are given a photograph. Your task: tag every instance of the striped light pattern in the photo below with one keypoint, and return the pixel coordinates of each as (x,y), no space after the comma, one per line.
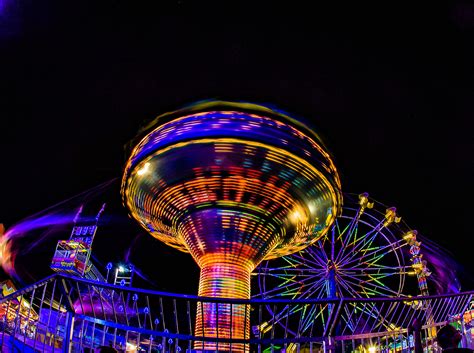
(232,184)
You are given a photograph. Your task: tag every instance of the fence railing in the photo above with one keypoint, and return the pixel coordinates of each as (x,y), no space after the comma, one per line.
(67,314)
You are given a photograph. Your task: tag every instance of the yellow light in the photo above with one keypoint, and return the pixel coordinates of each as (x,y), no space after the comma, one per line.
(131,347)
(265,327)
(410,235)
(372,349)
(144,169)
(296,216)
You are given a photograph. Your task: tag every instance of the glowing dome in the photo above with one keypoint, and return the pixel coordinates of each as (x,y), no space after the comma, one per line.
(232,184)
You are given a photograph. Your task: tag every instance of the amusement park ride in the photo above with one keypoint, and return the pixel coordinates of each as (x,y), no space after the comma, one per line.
(232,185)
(368,252)
(255,198)
(73,255)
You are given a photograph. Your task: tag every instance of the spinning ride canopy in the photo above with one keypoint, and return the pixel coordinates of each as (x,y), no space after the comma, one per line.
(232,184)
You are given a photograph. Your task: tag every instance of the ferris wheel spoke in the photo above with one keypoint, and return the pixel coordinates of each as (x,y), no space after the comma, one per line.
(364,241)
(375,267)
(292,261)
(267,270)
(300,273)
(375,289)
(371,281)
(387,249)
(362,293)
(284,289)
(350,317)
(371,277)
(358,242)
(374,261)
(292,272)
(291,289)
(305,318)
(352,287)
(309,289)
(327,289)
(308,317)
(314,287)
(351,233)
(278,291)
(294,289)
(369,261)
(287,271)
(288,279)
(369,310)
(375,313)
(349,228)
(315,312)
(349,288)
(319,257)
(342,233)
(320,290)
(381,319)
(375,276)
(359,310)
(348,320)
(278,317)
(376,279)
(392,245)
(376,229)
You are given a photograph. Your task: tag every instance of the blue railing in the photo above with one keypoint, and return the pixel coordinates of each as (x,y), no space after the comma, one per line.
(69,314)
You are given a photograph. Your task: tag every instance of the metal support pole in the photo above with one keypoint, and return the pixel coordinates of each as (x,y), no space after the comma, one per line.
(68,332)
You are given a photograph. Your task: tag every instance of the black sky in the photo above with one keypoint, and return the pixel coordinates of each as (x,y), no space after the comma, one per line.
(390,90)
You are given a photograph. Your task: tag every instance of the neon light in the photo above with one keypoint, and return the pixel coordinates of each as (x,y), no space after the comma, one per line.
(231,188)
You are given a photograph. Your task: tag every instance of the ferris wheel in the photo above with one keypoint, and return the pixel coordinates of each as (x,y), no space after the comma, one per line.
(368,252)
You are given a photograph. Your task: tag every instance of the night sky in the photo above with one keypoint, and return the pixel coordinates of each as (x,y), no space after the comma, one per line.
(389,89)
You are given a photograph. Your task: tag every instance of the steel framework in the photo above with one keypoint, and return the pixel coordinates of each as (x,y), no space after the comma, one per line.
(71,315)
